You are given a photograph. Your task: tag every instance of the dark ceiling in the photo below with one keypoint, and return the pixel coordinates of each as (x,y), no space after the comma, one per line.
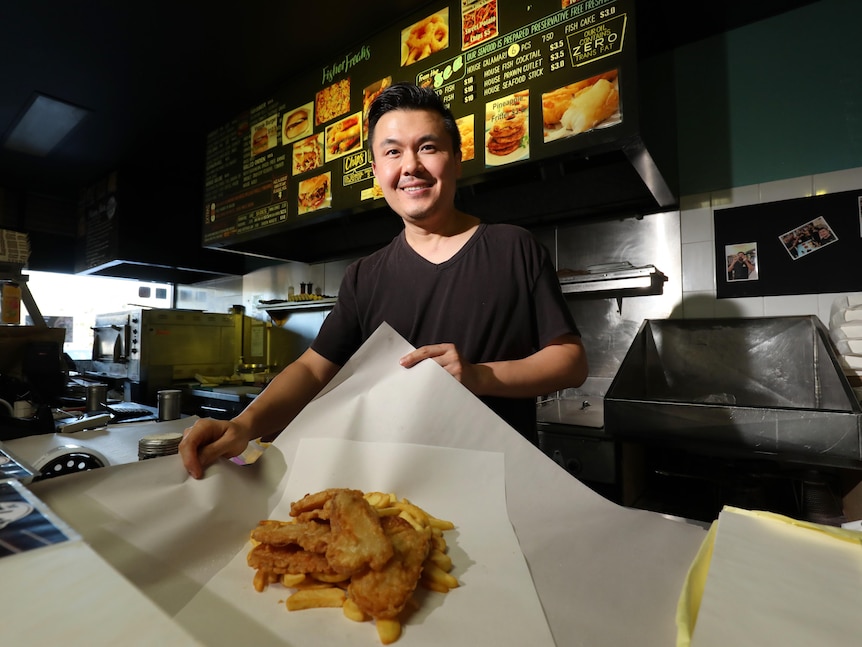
(159,76)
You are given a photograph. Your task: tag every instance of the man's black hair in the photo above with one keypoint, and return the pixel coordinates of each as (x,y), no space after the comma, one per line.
(407,96)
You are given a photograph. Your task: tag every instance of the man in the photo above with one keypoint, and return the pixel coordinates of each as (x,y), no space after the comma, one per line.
(482,301)
(740,267)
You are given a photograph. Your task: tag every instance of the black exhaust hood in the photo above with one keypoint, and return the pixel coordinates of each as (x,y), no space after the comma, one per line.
(622,163)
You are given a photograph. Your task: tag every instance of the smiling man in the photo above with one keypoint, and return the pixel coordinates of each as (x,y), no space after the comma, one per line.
(481,300)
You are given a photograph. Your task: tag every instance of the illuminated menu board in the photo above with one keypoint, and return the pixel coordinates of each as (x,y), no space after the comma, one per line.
(526,82)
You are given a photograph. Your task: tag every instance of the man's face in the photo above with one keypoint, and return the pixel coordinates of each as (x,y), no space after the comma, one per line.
(415,164)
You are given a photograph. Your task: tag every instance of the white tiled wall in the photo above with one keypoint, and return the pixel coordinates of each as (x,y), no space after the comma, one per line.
(698,248)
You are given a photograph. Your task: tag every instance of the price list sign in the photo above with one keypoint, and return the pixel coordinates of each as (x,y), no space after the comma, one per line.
(526,82)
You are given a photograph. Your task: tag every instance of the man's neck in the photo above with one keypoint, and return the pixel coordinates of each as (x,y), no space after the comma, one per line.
(440,242)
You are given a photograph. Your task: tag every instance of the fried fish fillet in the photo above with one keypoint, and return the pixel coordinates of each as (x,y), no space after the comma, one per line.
(357,538)
(288,559)
(308,535)
(314,501)
(383,593)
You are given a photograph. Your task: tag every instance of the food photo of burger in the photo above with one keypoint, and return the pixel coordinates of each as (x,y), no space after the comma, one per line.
(297,123)
(264,135)
(314,193)
(260,140)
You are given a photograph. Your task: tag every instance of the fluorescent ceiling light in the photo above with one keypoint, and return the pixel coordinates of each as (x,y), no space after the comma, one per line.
(43,125)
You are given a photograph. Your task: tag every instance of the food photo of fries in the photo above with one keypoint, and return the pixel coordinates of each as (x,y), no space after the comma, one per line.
(365,553)
(369,94)
(478,22)
(424,38)
(466,126)
(332,101)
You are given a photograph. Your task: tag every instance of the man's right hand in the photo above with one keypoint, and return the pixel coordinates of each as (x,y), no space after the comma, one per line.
(208,440)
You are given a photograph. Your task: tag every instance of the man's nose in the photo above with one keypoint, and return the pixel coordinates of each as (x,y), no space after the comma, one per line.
(411,162)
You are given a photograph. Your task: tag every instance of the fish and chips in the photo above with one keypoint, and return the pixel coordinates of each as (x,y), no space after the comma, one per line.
(363,552)
(581,106)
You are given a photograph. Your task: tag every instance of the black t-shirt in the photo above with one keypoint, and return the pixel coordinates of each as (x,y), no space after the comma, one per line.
(497,299)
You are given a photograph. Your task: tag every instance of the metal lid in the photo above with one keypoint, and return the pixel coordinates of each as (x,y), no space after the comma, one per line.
(163,444)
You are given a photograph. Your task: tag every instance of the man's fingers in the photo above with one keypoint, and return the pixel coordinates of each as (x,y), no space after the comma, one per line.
(424,352)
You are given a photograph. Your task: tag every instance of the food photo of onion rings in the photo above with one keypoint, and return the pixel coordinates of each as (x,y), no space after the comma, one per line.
(428,36)
(307,154)
(344,137)
(332,101)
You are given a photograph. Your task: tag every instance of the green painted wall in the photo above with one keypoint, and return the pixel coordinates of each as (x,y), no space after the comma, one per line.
(777,99)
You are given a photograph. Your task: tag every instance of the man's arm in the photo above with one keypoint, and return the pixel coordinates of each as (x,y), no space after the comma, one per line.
(207,440)
(561,364)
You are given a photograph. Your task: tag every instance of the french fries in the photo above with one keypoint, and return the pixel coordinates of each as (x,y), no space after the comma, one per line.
(317,589)
(351,610)
(316,598)
(388,630)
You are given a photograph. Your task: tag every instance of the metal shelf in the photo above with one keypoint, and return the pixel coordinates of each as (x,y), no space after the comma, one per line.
(633,281)
(291,306)
(13,272)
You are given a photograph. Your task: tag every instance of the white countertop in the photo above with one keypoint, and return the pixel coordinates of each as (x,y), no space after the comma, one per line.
(117,443)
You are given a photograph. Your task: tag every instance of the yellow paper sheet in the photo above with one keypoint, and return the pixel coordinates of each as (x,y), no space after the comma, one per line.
(764,578)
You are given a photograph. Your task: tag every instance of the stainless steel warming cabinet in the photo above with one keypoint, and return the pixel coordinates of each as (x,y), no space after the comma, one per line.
(750,387)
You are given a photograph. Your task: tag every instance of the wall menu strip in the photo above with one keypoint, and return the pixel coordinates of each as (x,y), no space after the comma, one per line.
(526,82)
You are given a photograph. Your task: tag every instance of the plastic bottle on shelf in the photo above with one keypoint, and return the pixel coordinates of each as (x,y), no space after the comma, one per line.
(10,304)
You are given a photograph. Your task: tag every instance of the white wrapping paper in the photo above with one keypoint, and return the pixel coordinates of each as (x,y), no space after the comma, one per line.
(604,575)
(496,603)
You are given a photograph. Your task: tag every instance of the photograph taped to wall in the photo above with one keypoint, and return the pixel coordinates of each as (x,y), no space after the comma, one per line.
(741,262)
(809,237)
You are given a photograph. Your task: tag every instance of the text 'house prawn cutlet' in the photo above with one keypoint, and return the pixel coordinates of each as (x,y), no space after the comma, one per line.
(365,553)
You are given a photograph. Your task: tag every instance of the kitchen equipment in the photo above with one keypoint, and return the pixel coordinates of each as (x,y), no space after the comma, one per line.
(31,369)
(159,349)
(169,404)
(68,459)
(768,387)
(163,444)
(220,402)
(97,398)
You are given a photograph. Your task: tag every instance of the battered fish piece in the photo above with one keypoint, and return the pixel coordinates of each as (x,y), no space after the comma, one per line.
(384,593)
(315,501)
(357,538)
(288,559)
(308,535)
